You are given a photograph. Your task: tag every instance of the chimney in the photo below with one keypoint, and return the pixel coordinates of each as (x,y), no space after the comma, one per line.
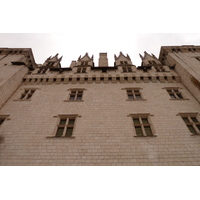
(103,60)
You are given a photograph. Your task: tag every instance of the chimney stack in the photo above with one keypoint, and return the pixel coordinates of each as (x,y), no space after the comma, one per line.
(103,60)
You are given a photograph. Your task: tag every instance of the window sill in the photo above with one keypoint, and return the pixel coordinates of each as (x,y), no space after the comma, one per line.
(22,100)
(179,99)
(73,100)
(135,99)
(198,134)
(72,137)
(145,136)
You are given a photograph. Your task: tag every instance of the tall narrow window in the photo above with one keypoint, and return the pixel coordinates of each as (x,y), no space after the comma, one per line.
(84,63)
(2,118)
(134,94)
(142,125)
(174,93)
(159,68)
(192,123)
(126,69)
(42,70)
(81,70)
(76,94)
(27,94)
(65,127)
(123,62)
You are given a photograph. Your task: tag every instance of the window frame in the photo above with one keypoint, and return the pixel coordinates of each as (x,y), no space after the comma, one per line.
(172,92)
(142,125)
(127,69)
(3,118)
(65,126)
(159,68)
(26,95)
(76,94)
(81,70)
(191,122)
(134,92)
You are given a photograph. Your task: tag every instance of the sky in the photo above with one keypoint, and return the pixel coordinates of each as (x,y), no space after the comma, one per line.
(48,44)
(72,28)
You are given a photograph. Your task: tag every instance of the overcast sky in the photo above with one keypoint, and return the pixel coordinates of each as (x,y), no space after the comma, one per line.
(78,27)
(45,45)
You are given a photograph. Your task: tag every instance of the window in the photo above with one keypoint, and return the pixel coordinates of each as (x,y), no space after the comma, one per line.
(84,63)
(127,69)
(123,62)
(50,64)
(198,58)
(133,93)
(192,123)
(65,126)
(42,70)
(27,94)
(159,68)
(81,70)
(2,118)
(76,95)
(142,125)
(174,93)
(152,62)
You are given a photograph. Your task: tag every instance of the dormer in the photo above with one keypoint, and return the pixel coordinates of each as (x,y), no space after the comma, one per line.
(52,62)
(122,60)
(124,63)
(151,62)
(85,61)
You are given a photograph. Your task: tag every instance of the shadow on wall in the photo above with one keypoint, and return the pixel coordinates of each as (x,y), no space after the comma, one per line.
(1,139)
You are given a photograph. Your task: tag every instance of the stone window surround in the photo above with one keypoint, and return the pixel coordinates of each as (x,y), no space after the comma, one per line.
(176,88)
(28,88)
(75,89)
(140,116)
(64,116)
(191,122)
(134,88)
(3,118)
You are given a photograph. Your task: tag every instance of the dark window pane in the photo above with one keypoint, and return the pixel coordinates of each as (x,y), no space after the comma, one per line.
(194,119)
(130,96)
(72,97)
(192,130)
(62,122)
(1,121)
(172,96)
(23,95)
(176,91)
(148,131)
(79,97)
(198,126)
(180,96)
(145,121)
(138,131)
(69,132)
(185,119)
(29,96)
(137,96)
(71,121)
(59,132)
(129,91)
(136,121)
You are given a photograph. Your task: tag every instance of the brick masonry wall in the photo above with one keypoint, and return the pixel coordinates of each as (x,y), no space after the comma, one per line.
(103,132)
